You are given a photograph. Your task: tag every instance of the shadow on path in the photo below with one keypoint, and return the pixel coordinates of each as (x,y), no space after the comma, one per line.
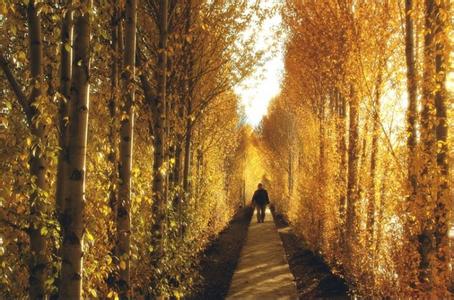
(262,271)
(314,279)
(221,257)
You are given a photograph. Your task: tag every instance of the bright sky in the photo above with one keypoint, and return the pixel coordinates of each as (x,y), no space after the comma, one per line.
(257,90)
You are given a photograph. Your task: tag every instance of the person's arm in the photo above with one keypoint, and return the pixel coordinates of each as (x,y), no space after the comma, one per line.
(253,198)
(267,198)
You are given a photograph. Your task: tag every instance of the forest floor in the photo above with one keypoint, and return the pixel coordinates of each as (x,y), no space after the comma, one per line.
(314,279)
(221,257)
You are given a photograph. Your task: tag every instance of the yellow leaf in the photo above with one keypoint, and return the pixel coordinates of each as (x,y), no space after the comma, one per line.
(43,231)
(93,293)
(22,55)
(122,265)
(90,236)
(68,47)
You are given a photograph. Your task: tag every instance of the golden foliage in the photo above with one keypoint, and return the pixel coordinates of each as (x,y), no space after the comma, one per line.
(342,55)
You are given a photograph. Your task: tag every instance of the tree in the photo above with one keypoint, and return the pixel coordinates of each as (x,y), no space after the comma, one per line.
(374,153)
(65,86)
(412,91)
(160,164)
(38,262)
(433,184)
(352,172)
(126,145)
(73,228)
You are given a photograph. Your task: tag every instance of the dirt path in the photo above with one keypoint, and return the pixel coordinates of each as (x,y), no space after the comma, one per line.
(262,271)
(221,257)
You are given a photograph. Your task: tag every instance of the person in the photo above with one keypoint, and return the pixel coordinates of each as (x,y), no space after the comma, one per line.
(260,200)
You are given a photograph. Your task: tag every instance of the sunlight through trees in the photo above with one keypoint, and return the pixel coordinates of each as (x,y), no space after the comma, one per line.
(124,150)
(362,188)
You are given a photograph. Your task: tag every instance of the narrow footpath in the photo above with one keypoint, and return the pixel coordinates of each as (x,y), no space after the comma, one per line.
(262,271)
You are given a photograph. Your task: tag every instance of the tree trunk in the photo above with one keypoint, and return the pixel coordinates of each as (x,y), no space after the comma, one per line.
(178,152)
(183,116)
(38,165)
(178,166)
(426,194)
(199,176)
(411,128)
(187,150)
(321,174)
(342,180)
(290,171)
(117,48)
(373,158)
(126,144)
(71,273)
(63,117)
(433,189)
(352,176)
(160,167)
(381,210)
(443,200)
(65,91)
(362,162)
(189,69)
(412,107)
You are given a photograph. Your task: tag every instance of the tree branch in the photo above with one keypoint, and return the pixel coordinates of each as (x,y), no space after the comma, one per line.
(12,225)
(16,88)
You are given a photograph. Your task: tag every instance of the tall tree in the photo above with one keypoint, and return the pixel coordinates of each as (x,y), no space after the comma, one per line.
(63,117)
(73,231)
(433,188)
(65,85)
(412,105)
(160,168)
(38,262)
(38,164)
(126,144)
(374,155)
(352,172)
(342,176)
(187,100)
(113,102)
(434,185)
(443,49)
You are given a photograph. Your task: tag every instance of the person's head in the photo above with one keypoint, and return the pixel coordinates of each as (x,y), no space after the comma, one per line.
(260,186)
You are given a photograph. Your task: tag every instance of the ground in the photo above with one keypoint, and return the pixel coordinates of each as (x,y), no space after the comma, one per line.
(263,271)
(257,271)
(313,277)
(221,257)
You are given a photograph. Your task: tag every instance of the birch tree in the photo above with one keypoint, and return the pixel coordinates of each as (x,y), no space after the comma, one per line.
(73,228)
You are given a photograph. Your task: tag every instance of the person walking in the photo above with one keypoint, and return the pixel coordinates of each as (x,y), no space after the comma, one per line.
(260,200)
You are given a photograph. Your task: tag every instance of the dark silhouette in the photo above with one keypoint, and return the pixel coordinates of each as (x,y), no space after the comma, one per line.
(260,200)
